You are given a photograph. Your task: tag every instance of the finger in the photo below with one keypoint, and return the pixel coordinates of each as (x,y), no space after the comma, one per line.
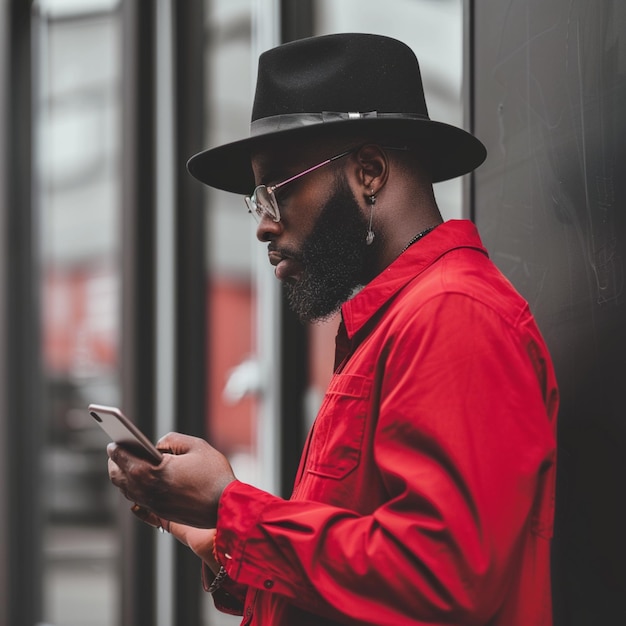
(118,478)
(175,443)
(125,459)
(114,470)
(148,517)
(121,456)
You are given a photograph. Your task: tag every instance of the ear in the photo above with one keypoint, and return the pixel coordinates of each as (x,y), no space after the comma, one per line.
(373,169)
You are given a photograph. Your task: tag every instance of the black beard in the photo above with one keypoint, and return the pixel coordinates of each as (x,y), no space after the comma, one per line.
(333,257)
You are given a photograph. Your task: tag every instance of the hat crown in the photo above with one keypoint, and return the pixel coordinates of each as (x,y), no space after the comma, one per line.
(343,73)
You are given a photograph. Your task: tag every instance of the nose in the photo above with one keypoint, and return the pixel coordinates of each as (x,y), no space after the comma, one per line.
(268,229)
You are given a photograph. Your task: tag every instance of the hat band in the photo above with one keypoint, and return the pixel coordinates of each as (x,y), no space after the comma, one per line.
(289,121)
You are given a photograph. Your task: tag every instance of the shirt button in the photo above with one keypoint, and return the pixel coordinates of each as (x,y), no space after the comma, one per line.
(268,584)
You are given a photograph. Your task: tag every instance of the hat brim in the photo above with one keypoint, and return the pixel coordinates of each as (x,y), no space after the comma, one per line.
(451,151)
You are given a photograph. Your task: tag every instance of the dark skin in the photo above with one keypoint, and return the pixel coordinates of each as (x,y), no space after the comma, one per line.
(182,492)
(405,202)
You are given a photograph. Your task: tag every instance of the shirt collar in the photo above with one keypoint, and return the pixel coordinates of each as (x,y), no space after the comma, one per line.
(446,237)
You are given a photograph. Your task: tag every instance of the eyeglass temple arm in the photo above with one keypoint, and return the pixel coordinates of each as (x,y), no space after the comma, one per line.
(311,169)
(273,188)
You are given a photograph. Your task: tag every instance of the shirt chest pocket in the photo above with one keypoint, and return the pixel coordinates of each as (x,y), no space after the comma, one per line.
(337,438)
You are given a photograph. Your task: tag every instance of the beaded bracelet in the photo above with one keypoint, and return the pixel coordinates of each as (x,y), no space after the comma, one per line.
(218,580)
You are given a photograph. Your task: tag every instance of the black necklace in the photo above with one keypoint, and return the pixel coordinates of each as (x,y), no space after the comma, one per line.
(417,237)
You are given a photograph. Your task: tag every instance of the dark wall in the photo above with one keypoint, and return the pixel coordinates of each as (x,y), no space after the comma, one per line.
(550,103)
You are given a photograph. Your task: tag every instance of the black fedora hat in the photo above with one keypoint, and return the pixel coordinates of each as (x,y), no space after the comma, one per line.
(339,84)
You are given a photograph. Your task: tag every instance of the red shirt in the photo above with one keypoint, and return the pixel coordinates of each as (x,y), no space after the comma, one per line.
(425,491)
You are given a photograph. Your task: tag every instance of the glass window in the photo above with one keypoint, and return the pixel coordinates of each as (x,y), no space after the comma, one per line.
(77,110)
(231,293)
(230,277)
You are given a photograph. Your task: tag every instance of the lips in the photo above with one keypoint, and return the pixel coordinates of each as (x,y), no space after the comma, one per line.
(287,268)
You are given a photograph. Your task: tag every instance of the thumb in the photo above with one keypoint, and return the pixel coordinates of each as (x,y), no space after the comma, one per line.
(175,443)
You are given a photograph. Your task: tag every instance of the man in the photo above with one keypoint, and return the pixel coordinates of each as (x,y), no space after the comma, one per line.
(425,490)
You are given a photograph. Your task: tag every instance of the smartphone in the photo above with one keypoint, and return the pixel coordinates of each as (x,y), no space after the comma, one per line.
(121,430)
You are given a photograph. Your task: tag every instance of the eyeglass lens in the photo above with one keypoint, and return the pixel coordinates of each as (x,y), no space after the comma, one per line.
(261,203)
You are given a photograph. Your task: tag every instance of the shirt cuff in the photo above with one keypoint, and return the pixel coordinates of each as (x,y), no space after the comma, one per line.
(239,510)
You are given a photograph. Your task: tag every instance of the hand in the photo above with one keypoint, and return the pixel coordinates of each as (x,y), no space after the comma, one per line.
(200,540)
(185,487)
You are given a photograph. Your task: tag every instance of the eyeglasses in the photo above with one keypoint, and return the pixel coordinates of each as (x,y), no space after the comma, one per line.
(262,203)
